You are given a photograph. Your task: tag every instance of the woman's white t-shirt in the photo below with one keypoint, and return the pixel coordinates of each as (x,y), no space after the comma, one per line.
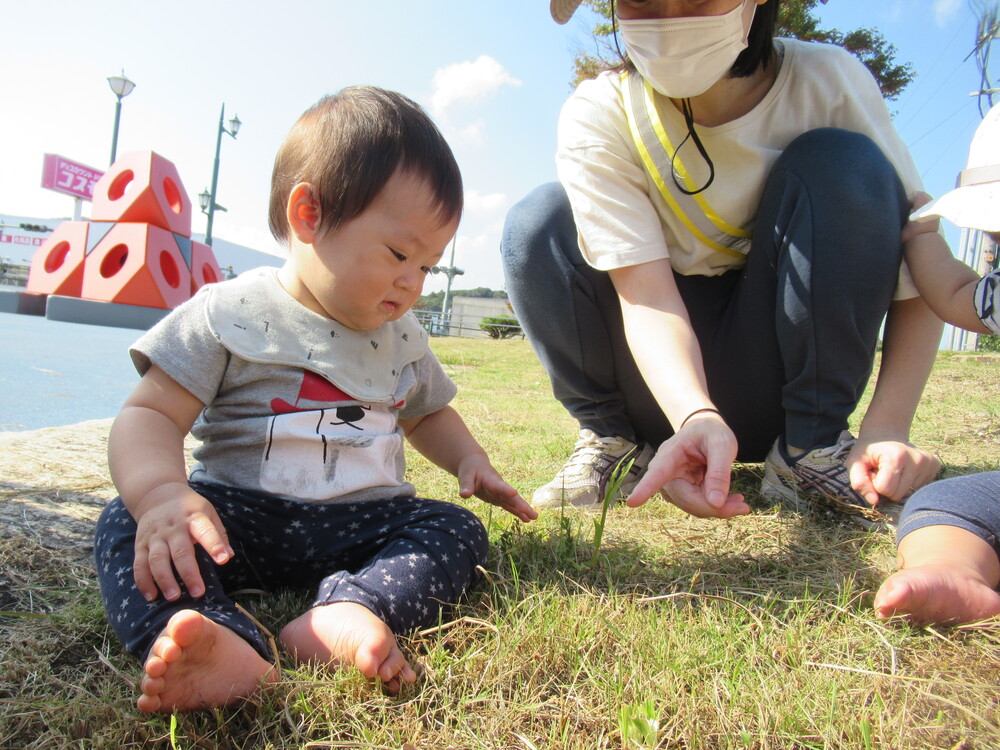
(620,215)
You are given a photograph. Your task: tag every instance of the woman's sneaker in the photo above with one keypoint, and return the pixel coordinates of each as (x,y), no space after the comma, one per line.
(583,480)
(821,475)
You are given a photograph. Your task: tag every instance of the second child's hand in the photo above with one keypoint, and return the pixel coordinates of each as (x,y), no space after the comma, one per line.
(913,228)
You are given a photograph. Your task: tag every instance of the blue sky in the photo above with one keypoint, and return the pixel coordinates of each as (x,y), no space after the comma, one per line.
(493,75)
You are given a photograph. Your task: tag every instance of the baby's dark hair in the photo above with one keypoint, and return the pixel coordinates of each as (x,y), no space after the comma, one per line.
(349,144)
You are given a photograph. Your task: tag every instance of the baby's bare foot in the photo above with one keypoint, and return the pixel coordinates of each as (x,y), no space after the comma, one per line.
(197,663)
(347,633)
(942,592)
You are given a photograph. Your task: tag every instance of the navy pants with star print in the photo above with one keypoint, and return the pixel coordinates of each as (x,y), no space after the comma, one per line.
(404,559)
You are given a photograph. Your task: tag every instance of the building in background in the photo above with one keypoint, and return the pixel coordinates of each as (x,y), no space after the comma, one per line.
(468,312)
(978,251)
(21,236)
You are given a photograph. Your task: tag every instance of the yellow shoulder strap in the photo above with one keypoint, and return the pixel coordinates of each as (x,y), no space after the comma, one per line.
(659,157)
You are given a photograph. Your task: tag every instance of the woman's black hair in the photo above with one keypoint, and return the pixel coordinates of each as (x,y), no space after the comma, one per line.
(760,42)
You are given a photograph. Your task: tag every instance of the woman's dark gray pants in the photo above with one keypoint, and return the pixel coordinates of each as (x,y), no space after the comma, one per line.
(788,341)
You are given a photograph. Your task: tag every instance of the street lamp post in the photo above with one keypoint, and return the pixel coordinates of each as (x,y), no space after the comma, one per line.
(207,199)
(122,87)
(451,272)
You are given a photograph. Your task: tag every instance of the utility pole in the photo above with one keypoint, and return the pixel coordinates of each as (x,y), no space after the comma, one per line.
(451,272)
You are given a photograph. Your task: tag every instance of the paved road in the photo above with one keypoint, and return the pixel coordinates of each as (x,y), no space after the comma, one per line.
(54,373)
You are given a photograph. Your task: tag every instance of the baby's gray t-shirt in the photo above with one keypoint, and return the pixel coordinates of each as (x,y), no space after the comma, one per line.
(296,405)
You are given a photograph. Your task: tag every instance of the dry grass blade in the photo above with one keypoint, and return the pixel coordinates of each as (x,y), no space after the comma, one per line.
(461,621)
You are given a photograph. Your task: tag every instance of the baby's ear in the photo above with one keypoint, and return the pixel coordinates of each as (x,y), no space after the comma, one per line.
(304,213)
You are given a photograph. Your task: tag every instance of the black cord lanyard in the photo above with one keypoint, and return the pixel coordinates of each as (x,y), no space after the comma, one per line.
(688,120)
(693,135)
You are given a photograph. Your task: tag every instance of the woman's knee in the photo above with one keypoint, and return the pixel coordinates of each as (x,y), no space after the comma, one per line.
(848,168)
(534,221)
(836,148)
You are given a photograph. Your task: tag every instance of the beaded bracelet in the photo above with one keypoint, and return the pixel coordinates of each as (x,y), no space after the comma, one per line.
(698,411)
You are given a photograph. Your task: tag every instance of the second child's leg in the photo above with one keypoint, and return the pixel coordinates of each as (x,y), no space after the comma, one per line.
(426,554)
(947,575)
(948,554)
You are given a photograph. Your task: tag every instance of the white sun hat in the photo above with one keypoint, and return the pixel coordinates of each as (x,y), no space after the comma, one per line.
(975,201)
(563,10)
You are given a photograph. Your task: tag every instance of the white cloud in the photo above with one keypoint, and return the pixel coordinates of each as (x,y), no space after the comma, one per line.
(896,10)
(472,134)
(469,83)
(479,255)
(945,10)
(488,204)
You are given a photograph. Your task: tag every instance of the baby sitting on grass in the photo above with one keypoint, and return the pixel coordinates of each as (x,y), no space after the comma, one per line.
(301,383)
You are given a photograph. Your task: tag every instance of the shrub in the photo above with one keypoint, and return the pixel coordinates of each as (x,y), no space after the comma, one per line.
(986,343)
(501,327)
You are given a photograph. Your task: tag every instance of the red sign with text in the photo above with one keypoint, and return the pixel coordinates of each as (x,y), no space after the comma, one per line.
(66,176)
(14,239)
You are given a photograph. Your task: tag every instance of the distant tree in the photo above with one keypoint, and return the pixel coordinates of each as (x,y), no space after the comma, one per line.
(795,20)
(479,291)
(432,301)
(868,45)
(987,343)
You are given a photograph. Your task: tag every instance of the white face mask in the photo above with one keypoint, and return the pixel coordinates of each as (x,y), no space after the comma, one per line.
(684,57)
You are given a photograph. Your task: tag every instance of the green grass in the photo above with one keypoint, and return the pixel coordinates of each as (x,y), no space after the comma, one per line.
(687,633)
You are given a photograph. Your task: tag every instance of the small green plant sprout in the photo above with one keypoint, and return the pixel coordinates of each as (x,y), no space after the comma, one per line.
(610,496)
(866,734)
(173,732)
(639,724)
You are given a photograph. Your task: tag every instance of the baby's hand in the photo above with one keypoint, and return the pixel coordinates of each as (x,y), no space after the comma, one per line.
(476,476)
(889,468)
(171,520)
(914,228)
